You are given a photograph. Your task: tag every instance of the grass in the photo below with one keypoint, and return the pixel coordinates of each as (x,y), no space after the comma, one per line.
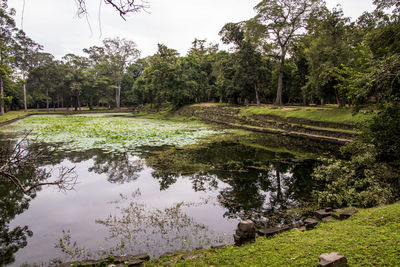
(325,128)
(323,113)
(20,113)
(12,115)
(369,238)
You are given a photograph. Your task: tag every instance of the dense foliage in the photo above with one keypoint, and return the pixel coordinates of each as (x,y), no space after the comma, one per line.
(293,51)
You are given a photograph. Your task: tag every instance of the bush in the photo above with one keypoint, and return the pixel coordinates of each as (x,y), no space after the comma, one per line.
(361,181)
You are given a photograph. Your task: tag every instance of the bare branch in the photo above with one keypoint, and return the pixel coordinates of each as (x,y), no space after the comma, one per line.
(22,164)
(123,7)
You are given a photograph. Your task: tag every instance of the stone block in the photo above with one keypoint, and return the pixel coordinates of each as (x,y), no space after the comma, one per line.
(189,256)
(322,213)
(135,263)
(332,260)
(137,260)
(327,218)
(347,214)
(310,223)
(246,231)
(272,230)
(246,226)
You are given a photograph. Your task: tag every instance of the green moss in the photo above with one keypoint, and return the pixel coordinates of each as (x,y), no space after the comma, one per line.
(369,238)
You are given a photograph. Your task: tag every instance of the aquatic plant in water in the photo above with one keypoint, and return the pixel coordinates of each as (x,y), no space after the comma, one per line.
(110,133)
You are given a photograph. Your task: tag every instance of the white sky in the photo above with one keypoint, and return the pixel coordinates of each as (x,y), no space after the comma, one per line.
(175,23)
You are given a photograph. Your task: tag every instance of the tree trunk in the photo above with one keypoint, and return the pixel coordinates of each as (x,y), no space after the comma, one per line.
(278,100)
(338,100)
(257,95)
(118,95)
(25,105)
(47,99)
(79,103)
(1,97)
(90,104)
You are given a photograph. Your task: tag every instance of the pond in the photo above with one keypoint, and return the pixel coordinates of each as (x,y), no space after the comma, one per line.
(149,186)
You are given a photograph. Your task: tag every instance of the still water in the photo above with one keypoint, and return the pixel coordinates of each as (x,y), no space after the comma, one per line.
(156,199)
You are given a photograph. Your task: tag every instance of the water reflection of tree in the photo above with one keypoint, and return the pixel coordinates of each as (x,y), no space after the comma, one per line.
(263,185)
(23,172)
(120,168)
(159,230)
(13,201)
(138,228)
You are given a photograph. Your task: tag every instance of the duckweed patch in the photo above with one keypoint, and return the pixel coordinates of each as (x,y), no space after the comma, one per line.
(111,133)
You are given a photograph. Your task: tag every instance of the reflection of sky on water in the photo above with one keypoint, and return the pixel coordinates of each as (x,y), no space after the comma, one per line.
(52,211)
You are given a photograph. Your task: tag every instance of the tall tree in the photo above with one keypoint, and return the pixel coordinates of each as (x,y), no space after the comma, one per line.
(42,80)
(120,53)
(248,66)
(198,69)
(26,58)
(284,20)
(162,74)
(77,65)
(327,51)
(7,30)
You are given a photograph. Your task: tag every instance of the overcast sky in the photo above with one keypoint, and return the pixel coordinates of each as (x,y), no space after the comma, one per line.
(175,23)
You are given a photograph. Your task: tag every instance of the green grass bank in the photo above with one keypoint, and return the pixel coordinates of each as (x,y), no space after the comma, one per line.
(369,238)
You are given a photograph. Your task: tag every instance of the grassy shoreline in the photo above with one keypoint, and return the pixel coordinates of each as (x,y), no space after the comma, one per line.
(369,238)
(327,113)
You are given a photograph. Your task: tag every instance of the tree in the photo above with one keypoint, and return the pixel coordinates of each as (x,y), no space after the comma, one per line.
(163,76)
(249,70)
(284,20)
(75,76)
(7,30)
(197,67)
(119,54)
(25,57)
(132,94)
(327,50)
(388,4)
(41,78)
(224,72)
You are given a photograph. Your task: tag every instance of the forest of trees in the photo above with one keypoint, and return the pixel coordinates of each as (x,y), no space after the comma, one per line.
(292,51)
